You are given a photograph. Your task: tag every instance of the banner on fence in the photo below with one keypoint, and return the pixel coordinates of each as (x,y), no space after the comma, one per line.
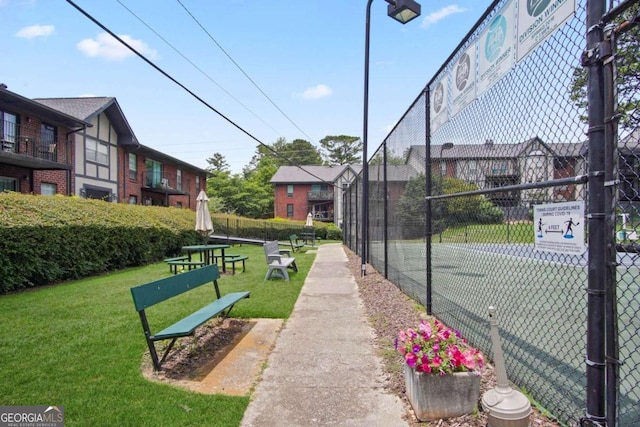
(538,20)
(439,100)
(463,79)
(496,48)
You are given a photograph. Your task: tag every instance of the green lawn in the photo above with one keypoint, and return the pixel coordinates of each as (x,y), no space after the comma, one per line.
(489,233)
(79,345)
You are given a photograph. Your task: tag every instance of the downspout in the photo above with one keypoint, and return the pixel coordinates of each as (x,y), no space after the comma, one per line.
(69,149)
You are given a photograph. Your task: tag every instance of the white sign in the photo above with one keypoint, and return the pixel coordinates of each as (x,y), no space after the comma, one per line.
(559,227)
(439,100)
(463,80)
(538,19)
(496,48)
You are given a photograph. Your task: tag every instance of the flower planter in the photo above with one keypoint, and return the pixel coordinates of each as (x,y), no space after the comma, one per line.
(435,396)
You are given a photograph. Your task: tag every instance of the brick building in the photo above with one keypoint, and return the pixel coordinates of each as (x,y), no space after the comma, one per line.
(85,147)
(312,189)
(36,146)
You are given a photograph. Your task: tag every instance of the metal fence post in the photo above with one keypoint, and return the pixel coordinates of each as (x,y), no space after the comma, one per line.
(595,360)
(428,223)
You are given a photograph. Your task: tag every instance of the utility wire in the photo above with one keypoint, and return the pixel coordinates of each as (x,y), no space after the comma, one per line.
(242,71)
(196,67)
(202,101)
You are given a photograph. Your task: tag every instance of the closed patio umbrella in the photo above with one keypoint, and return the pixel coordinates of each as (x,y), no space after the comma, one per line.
(203,217)
(309,220)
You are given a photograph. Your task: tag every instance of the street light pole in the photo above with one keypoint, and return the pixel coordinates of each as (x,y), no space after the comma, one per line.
(402,11)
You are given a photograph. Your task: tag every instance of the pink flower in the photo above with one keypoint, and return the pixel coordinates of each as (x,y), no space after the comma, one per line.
(411,359)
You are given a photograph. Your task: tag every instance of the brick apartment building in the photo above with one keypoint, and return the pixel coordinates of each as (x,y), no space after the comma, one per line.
(85,147)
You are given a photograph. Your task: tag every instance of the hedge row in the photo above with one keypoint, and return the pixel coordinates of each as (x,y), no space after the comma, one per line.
(44,240)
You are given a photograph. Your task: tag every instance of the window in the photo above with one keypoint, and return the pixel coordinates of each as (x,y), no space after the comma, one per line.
(97,152)
(289,210)
(290,191)
(48,189)
(535,166)
(8,130)
(198,183)
(179,180)
(133,200)
(319,187)
(8,184)
(443,168)
(473,168)
(133,167)
(500,167)
(154,173)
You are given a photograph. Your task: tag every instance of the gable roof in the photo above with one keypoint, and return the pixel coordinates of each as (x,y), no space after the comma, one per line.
(310,174)
(490,150)
(87,108)
(13,102)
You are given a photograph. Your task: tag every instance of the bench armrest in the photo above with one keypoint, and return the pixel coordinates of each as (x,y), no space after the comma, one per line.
(274,257)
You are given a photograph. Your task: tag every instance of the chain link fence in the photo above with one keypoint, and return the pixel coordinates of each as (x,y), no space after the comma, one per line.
(480,196)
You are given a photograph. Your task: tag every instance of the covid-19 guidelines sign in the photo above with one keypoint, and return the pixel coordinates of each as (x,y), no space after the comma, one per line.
(559,227)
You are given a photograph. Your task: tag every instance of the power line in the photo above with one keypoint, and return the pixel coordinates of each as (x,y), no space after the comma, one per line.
(196,67)
(202,101)
(241,70)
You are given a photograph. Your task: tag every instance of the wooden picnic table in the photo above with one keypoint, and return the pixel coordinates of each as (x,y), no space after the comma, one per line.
(207,253)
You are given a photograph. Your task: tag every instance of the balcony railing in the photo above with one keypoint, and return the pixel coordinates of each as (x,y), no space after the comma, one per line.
(320,195)
(33,147)
(163,183)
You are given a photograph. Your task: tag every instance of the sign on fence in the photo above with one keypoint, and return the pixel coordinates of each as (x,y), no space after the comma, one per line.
(537,21)
(559,227)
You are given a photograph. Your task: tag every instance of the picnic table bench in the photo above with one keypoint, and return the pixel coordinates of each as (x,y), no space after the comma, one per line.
(182,261)
(150,294)
(232,259)
(277,262)
(295,243)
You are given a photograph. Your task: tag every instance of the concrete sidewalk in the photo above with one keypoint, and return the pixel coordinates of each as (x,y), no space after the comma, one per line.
(324,369)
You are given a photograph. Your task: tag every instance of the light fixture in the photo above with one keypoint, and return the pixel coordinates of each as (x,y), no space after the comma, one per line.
(403,11)
(446,146)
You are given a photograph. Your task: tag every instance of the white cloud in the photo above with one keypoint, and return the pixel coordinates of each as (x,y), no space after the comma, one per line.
(439,15)
(317,92)
(35,31)
(106,46)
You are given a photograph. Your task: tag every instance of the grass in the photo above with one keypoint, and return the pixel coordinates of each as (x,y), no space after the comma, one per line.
(489,233)
(79,344)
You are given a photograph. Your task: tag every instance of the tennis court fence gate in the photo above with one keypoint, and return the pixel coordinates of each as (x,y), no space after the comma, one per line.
(513,181)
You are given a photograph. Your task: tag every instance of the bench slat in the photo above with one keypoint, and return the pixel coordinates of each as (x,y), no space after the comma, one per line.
(186,326)
(152,293)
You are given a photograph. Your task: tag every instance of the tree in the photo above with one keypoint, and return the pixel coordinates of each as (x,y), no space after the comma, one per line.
(217,163)
(342,149)
(283,153)
(628,75)
(445,213)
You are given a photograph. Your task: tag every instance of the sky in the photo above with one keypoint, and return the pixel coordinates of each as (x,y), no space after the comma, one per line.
(274,69)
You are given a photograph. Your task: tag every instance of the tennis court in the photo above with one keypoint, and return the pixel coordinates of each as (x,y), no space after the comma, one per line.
(541,304)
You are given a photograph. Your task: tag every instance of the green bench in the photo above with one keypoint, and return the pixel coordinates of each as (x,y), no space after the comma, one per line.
(171,261)
(150,294)
(232,259)
(294,240)
(175,263)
